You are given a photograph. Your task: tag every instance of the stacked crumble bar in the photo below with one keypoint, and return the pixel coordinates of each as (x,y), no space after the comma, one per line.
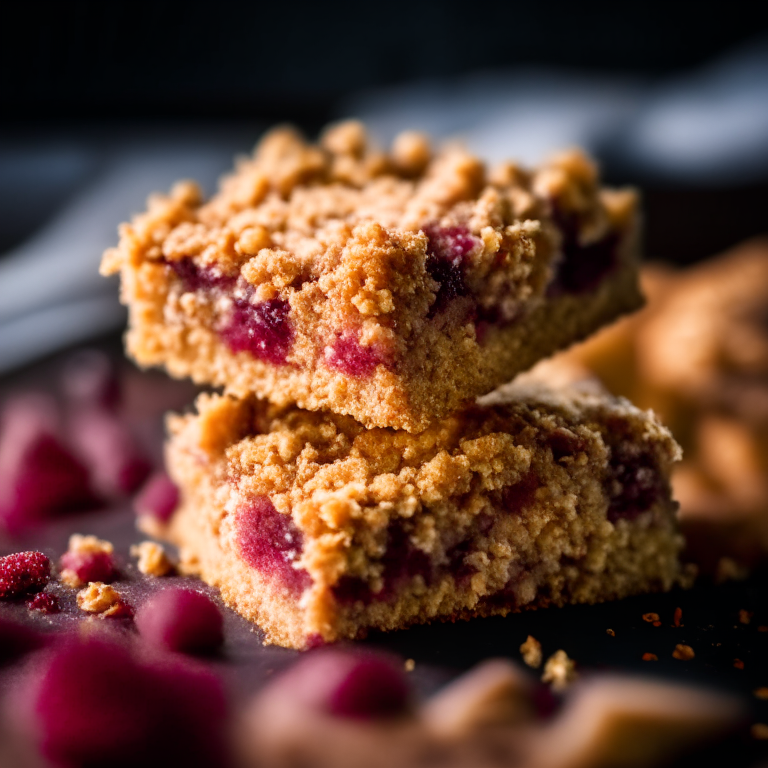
(354,304)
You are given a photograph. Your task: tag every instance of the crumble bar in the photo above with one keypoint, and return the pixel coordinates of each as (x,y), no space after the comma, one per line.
(392,287)
(318,529)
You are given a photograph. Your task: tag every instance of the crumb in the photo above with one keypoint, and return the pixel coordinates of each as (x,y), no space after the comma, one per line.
(738,663)
(559,671)
(610,632)
(762,693)
(762,628)
(410,665)
(152,559)
(651,618)
(729,570)
(678,617)
(531,651)
(759,731)
(650,657)
(745,616)
(100,598)
(683,652)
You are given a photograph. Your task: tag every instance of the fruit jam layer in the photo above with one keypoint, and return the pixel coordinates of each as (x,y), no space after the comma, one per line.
(271,543)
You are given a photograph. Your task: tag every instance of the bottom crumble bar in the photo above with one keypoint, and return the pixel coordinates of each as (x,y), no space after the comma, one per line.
(318,529)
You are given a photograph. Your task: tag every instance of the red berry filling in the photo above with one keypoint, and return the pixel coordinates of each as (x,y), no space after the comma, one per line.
(447,251)
(582,267)
(359,685)
(23,572)
(196,278)
(181,620)
(90,566)
(634,482)
(348,356)
(270,542)
(158,498)
(262,329)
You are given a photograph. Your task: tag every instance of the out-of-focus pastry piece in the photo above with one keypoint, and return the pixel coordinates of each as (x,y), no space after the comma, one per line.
(698,356)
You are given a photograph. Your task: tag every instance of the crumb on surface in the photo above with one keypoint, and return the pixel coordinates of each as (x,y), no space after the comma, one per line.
(531,652)
(762,628)
(152,558)
(650,657)
(99,598)
(559,671)
(745,617)
(761,693)
(738,663)
(651,618)
(678,618)
(759,731)
(610,632)
(409,665)
(683,652)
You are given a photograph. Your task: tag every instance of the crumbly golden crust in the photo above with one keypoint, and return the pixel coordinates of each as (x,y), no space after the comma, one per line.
(502,506)
(407,283)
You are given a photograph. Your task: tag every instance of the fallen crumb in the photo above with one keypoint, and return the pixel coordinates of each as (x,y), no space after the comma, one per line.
(678,618)
(759,731)
(559,671)
(683,652)
(650,657)
(651,617)
(152,559)
(101,599)
(410,665)
(762,628)
(745,616)
(531,651)
(761,693)
(610,632)
(738,663)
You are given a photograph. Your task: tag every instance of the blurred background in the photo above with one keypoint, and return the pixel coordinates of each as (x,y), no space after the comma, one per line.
(104,103)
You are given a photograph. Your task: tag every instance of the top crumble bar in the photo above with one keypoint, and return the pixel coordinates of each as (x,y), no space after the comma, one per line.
(392,287)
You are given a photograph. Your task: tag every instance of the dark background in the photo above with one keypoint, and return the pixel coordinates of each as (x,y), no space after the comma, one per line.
(102,72)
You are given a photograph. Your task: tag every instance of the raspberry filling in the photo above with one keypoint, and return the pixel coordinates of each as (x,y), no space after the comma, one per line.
(349,357)
(635,484)
(447,251)
(23,572)
(582,267)
(270,542)
(262,328)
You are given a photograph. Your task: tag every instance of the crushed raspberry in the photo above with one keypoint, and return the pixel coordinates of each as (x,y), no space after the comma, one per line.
(92,701)
(39,476)
(582,267)
(89,566)
(270,542)
(634,484)
(158,498)
(44,602)
(117,464)
(181,620)
(261,329)
(195,278)
(89,377)
(23,572)
(348,356)
(447,250)
(360,684)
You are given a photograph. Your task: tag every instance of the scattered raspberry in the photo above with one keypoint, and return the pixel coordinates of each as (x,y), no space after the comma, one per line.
(650,657)
(23,572)
(678,618)
(610,632)
(44,602)
(559,671)
(158,498)
(531,652)
(738,663)
(354,684)
(683,652)
(152,559)
(181,620)
(92,702)
(651,618)
(87,559)
(745,616)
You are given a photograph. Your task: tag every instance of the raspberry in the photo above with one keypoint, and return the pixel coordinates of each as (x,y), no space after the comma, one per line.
(44,602)
(181,620)
(158,498)
(348,356)
(85,567)
(23,572)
